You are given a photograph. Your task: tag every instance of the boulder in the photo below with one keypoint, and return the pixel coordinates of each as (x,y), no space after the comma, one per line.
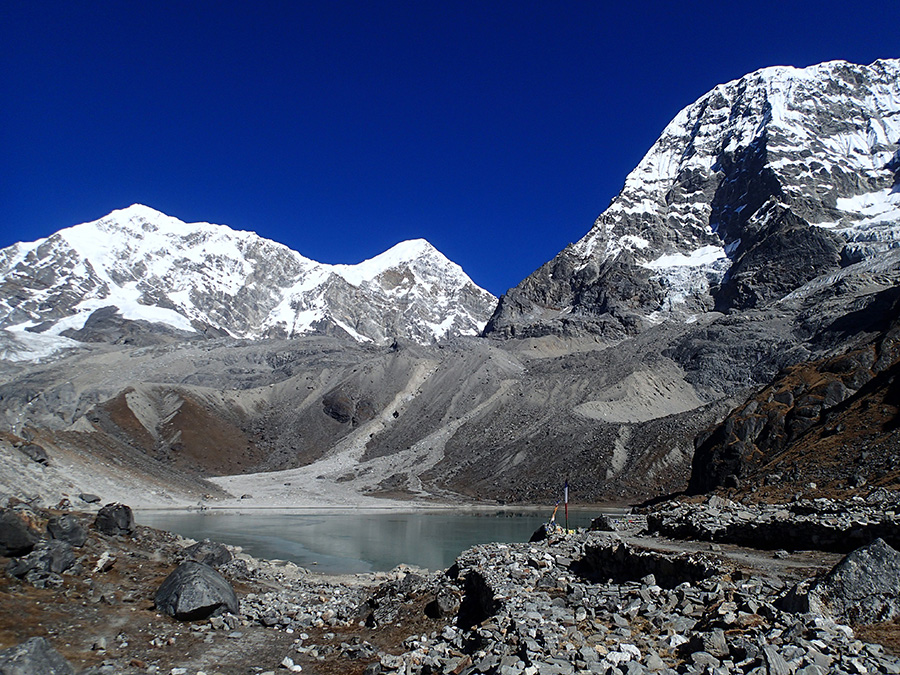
(195,591)
(602,523)
(115,519)
(863,588)
(67,528)
(34,657)
(89,498)
(35,453)
(208,552)
(16,538)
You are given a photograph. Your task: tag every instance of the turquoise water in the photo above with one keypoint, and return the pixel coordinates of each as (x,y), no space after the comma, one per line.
(352,542)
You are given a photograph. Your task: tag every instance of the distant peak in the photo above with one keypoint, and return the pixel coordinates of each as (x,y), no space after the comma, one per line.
(138,210)
(410,249)
(398,255)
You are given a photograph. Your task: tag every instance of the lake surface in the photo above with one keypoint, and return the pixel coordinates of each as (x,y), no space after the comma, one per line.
(349,542)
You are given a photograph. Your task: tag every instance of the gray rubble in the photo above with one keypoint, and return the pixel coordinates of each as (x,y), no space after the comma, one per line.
(545,608)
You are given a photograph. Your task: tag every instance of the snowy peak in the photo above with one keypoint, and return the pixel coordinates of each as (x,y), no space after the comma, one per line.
(686,233)
(194,277)
(413,253)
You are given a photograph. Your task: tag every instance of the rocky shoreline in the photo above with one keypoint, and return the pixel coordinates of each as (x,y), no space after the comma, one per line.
(85,598)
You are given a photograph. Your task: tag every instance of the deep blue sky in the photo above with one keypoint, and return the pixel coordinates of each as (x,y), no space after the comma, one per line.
(496,130)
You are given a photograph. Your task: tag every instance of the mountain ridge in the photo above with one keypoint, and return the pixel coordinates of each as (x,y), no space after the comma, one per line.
(201,277)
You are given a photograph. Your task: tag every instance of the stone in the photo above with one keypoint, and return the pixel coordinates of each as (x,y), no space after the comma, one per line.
(115,519)
(208,552)
(35,453)
(48,556)
(602,523)
(89,498)
(654,662)
(16,538)
(67,528)
(864,587)
(705,659)
(35,656)
(195,591)
(775,663)
(104,563)
(288,663)
(714,643)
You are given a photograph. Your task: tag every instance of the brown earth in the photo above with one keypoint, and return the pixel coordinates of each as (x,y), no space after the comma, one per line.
(116,607)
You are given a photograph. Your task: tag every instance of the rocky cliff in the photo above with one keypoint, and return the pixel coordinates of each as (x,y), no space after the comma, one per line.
(760,186)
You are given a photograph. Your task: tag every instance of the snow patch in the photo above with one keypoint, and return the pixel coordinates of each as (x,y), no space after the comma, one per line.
(18,344)
(706,255)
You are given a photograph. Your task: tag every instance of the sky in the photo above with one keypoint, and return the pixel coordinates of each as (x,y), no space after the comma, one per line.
(498,131)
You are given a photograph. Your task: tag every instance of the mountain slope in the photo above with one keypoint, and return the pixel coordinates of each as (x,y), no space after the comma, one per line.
(754,242)
(783,164)
(213,280)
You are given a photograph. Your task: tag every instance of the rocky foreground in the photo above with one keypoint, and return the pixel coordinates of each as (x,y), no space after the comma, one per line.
(92,593)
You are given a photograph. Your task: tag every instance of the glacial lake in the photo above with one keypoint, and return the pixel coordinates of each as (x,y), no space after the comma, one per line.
(350,542)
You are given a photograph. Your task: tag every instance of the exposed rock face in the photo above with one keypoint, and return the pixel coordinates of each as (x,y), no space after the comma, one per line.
(781,166)
(157,280)
(35,453)
(830,422)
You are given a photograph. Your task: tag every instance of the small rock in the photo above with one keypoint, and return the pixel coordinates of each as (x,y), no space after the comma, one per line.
(105,562)
(288,662)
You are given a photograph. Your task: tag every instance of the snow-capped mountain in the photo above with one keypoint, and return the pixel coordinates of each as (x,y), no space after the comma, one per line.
(194,277)
(758,187)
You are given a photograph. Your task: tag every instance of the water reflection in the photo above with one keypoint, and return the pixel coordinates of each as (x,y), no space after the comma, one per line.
(352,542)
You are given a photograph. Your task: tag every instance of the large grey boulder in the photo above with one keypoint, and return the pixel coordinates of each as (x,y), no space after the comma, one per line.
(35,656)
(195,591)
(115,519)
(863,588)
(67,528)
(16,538)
